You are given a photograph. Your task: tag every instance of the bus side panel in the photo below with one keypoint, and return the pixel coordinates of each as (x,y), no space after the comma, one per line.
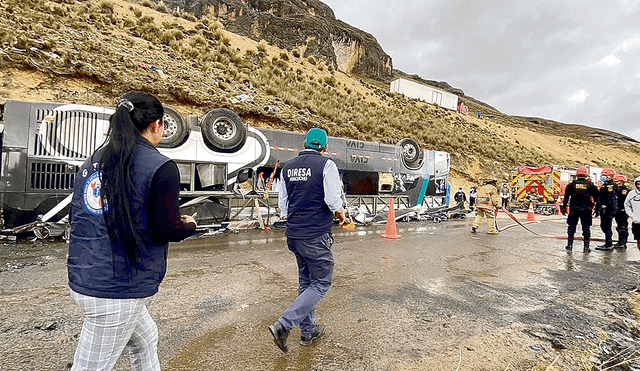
(17,125)
(284,145)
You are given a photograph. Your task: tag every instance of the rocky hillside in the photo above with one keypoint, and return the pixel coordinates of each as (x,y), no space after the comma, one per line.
(306,25)
(316,72)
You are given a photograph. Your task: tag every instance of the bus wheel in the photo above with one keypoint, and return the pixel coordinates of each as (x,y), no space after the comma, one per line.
(412,156)
(175,129)
(223,130)
(410,149)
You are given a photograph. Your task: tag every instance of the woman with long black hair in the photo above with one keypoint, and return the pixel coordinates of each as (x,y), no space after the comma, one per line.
(124,213)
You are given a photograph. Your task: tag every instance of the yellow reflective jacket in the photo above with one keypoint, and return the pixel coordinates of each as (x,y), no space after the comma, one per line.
(488,197)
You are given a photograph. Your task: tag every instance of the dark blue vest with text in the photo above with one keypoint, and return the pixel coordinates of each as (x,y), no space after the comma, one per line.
(96,266)
(308,215)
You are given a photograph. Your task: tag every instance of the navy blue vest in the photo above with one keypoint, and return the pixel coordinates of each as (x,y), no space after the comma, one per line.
(308,215)
(95,267)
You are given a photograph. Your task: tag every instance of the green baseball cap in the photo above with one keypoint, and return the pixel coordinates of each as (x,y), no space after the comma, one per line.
(316,138)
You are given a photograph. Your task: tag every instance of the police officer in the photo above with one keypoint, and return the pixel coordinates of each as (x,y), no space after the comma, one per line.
(487,205)
(622,219)
(309,196)
(581,195)
(608,206)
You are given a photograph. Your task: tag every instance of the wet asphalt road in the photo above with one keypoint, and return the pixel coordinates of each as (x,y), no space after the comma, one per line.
(436,297)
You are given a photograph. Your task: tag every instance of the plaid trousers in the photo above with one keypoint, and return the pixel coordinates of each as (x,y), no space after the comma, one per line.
(110,326)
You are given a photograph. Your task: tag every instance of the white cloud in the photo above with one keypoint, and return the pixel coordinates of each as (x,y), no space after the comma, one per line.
(578,97)
(609,61)
(597,51)
(629,44)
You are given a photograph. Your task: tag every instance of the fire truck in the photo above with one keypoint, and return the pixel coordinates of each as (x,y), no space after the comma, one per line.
(544,186)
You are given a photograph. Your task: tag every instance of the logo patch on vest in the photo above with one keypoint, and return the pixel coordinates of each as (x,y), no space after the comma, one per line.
(299,174)
(92,200)
(581,186)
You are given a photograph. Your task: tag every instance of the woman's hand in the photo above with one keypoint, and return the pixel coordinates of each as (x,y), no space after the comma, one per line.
(189,219)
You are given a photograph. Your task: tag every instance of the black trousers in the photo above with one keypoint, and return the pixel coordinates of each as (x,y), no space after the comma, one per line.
(622,227)
(585,218)
(606,223)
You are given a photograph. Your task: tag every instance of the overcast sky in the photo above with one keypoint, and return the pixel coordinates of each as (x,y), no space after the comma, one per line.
(564,60)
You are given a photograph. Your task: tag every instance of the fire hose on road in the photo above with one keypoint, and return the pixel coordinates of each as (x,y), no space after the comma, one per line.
(563,237)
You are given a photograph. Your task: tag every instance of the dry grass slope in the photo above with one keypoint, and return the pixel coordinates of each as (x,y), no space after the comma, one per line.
(91,51)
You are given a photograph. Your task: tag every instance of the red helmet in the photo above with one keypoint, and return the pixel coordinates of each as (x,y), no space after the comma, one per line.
(619,178)
(607,171)
(491,178)
(581,170)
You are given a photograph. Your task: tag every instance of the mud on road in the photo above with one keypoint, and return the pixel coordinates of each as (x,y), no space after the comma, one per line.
(440,298)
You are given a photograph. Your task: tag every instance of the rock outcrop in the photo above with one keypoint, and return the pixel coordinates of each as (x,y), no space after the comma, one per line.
(307,25)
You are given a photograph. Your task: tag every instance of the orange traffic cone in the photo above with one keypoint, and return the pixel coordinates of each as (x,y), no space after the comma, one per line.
(531,216)
(391,233)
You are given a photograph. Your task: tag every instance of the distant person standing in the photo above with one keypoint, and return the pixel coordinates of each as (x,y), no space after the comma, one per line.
(622,218)
(632,207)
(460,198)
(309,196)
(472,197)
(580,195)
(608,207)
(505,194)
(487,206)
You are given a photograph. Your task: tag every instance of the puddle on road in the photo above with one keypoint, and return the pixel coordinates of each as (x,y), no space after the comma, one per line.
(222,349)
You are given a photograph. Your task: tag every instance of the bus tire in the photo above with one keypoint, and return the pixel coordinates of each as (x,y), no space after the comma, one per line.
(411,152)
(223,130)
(175,129)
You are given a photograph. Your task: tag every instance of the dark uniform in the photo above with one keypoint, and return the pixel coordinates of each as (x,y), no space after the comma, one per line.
(460,198)
(622,219)
(581,195)
(608,205)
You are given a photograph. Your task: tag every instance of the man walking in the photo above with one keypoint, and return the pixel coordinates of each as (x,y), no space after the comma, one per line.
(581,195)
(608,207)
(309,196)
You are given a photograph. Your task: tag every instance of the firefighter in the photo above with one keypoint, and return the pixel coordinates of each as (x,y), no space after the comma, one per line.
(622,219)
(581,195)
(608,206)
(487,205)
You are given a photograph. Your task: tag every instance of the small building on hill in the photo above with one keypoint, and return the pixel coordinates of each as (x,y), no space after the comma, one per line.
(426,93)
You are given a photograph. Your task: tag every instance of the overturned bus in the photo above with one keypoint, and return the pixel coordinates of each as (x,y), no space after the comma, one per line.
(43,144)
